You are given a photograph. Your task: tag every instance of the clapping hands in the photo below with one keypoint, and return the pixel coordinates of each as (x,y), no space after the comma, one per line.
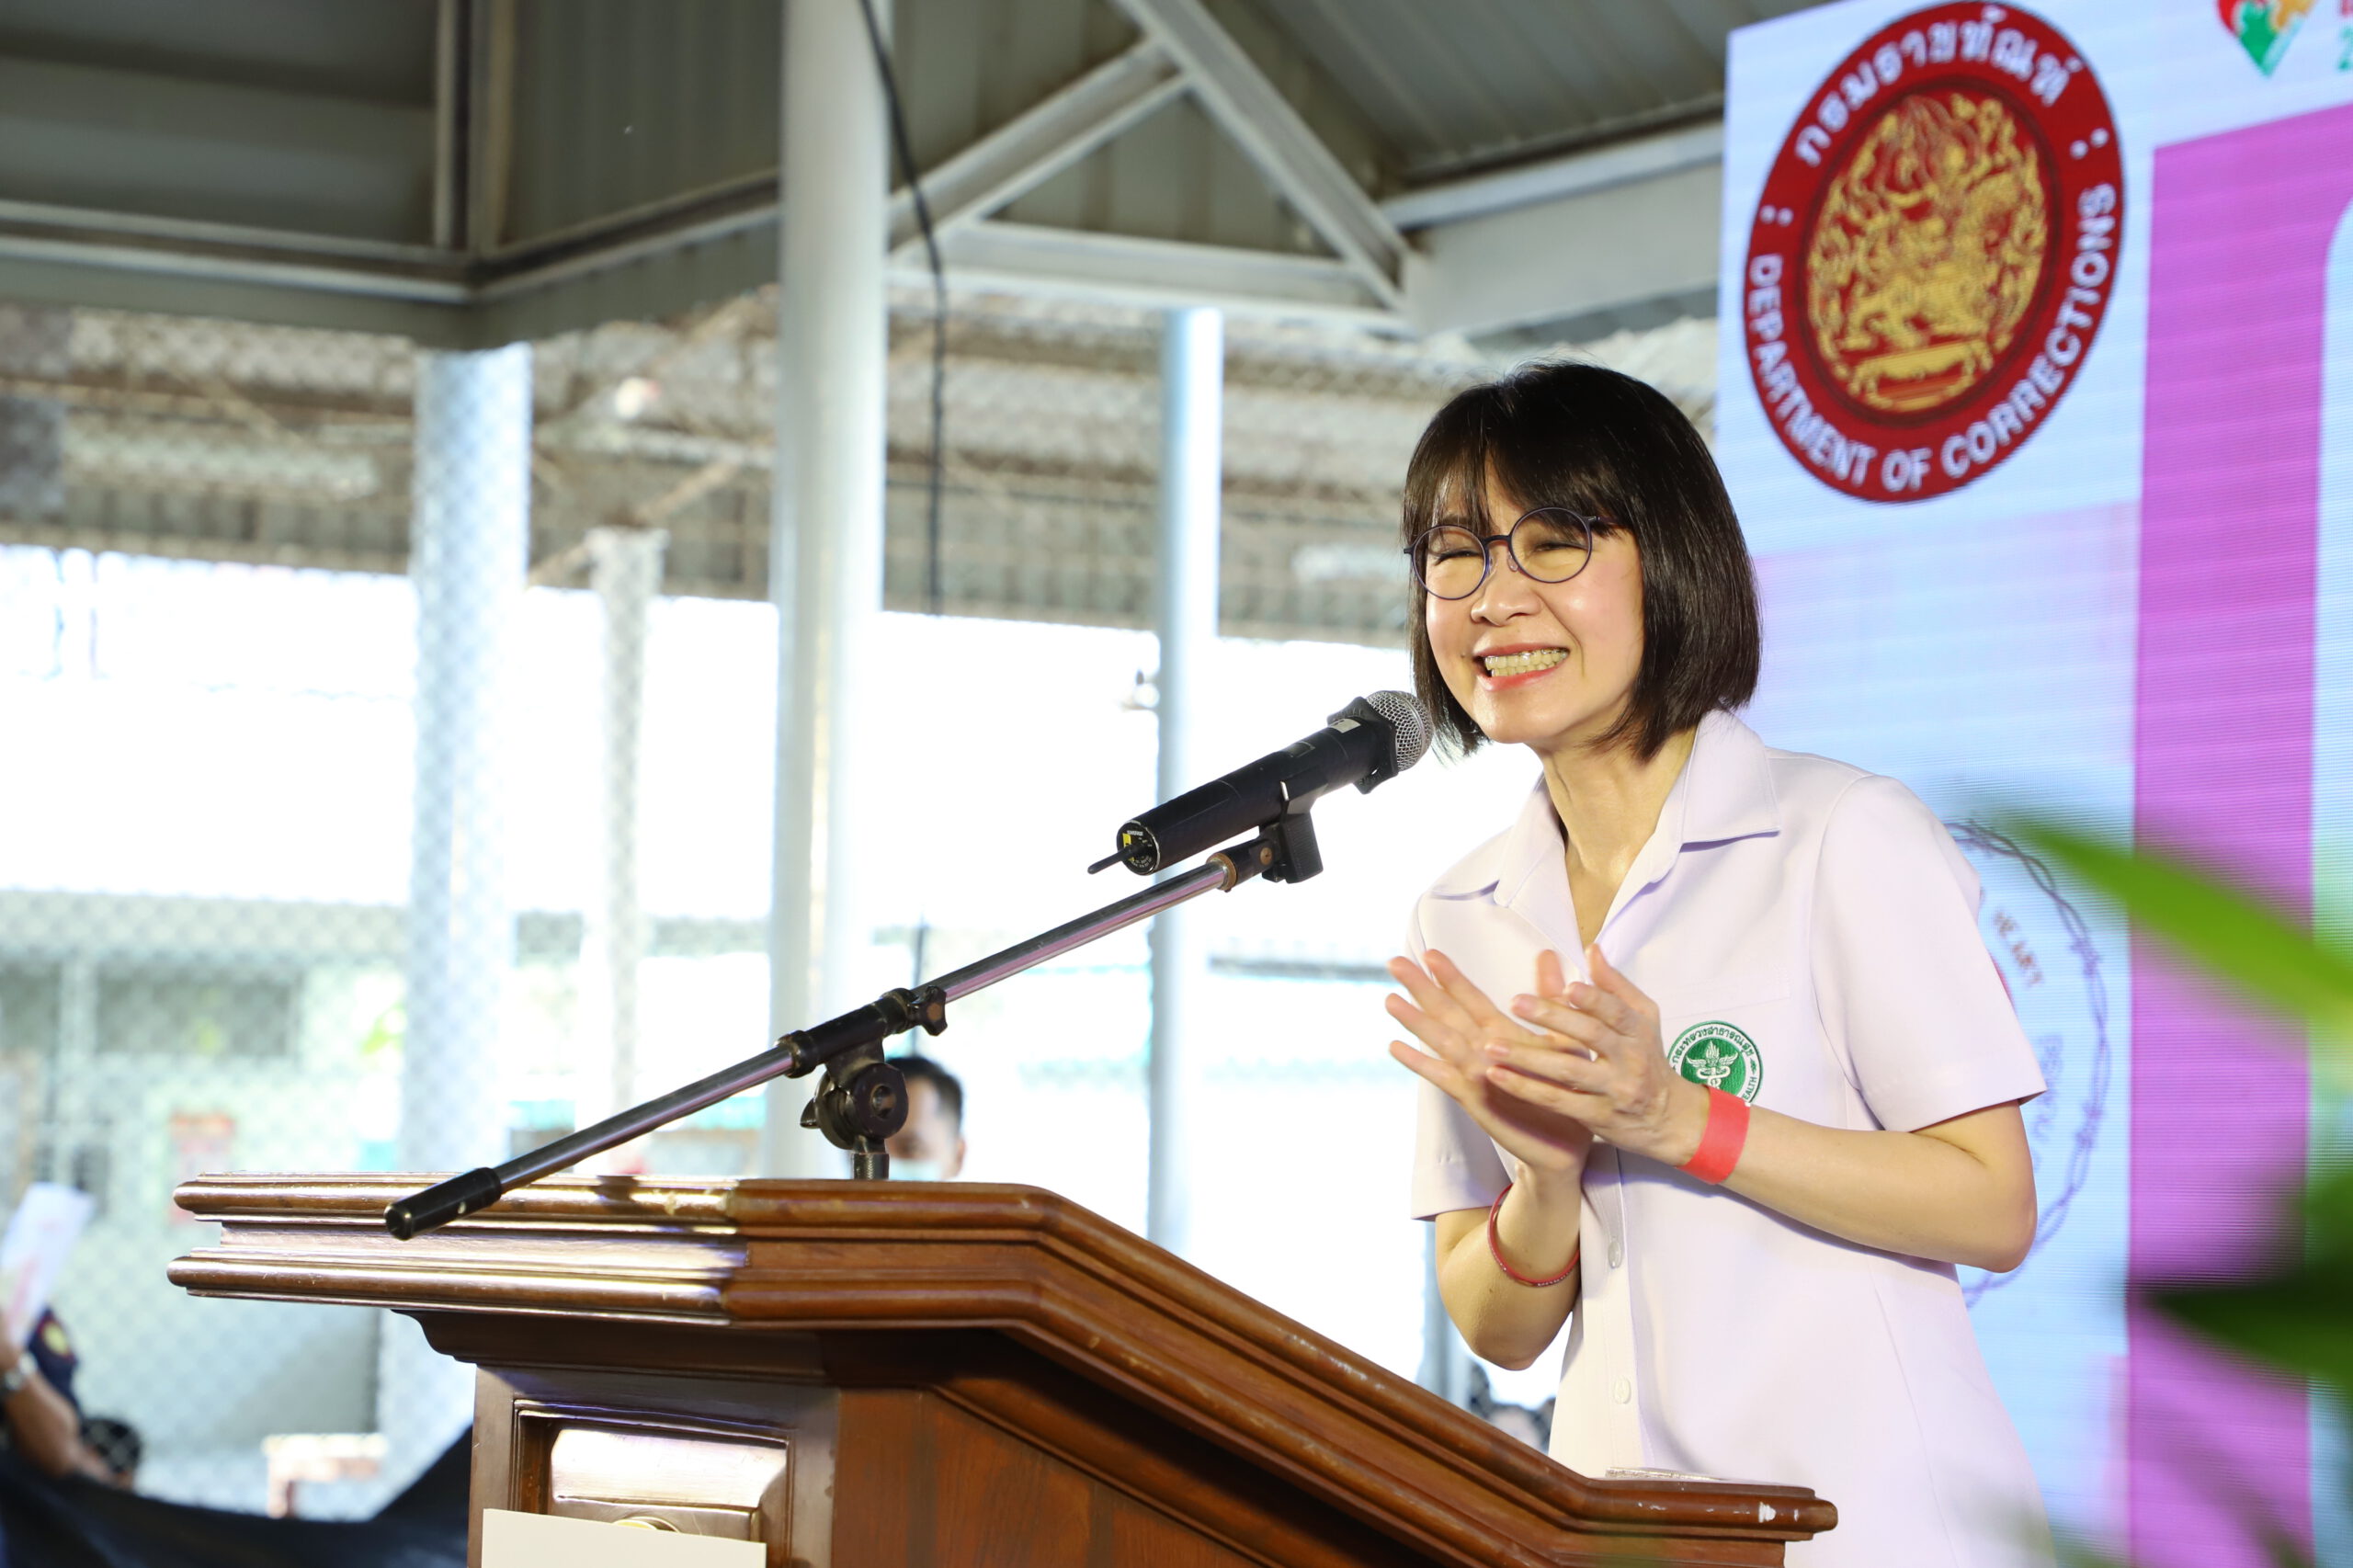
(1568,1062)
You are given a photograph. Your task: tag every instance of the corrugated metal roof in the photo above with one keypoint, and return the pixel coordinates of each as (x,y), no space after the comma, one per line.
(1472,84)
(596,125)
(557,161)
(377,49)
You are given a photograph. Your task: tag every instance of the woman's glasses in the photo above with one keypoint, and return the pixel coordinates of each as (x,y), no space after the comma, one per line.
(1549,545)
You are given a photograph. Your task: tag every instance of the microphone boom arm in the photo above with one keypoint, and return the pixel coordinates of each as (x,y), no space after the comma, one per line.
(863,1101)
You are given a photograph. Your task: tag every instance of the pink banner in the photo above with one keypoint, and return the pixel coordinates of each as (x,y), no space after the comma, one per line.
(2223,752)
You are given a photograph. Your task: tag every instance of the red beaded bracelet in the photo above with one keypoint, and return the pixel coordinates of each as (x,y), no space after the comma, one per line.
(1497,1247)
(1721,1145)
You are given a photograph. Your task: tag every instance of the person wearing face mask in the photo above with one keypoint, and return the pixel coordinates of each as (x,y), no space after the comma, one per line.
(930,1147)
(1716,1071)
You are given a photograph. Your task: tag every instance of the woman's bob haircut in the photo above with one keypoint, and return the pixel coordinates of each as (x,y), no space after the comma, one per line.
(1555,434)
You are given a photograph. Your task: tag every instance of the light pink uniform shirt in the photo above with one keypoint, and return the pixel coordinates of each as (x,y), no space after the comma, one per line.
(1823,916)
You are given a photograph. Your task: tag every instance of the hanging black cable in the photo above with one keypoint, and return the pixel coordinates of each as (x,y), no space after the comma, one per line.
(932,597)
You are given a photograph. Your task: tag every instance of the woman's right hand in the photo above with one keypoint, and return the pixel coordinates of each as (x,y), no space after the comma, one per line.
(1455,1020)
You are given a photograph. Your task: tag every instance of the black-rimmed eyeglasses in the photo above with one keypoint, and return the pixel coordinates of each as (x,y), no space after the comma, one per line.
(1549,544)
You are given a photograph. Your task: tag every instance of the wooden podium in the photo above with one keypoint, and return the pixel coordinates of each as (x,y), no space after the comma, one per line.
(869,1374)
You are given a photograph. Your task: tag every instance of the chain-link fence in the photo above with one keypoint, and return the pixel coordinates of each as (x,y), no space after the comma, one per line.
(330,845)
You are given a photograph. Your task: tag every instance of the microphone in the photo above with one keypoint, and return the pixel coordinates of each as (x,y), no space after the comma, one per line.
(1370,741)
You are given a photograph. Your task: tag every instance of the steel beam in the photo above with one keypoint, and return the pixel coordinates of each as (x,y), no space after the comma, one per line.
(1604,250)
(1035,259)
(1263,123)
(1038,144)
(1551,179)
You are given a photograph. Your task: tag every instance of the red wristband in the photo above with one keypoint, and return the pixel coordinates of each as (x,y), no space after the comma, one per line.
(1721,1145)
(1497,1247)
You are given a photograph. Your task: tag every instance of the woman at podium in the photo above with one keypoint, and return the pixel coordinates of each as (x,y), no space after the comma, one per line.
(1716,1069)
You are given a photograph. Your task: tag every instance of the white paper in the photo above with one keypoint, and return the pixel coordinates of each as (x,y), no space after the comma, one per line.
(543,1541)
(41,1235)
(1637,1472)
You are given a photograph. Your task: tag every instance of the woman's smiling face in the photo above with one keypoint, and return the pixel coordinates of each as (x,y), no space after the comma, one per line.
(1549,666)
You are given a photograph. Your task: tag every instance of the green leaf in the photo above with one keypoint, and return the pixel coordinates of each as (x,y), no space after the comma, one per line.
(2299,1319)
(2328,1212)
(2075,1553)
(2237,937)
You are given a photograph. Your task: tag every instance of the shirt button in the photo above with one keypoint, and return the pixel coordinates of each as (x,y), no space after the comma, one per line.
(1616,1253)
(1621,1390)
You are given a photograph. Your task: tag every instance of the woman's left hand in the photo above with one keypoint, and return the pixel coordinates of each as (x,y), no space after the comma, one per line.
(1624,1090)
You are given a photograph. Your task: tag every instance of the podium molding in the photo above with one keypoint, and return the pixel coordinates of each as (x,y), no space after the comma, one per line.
(901,1373)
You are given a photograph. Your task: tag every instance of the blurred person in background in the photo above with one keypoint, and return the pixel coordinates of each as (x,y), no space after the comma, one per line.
(65,1500)
(1533,1427)
(44,1425)
(930,1147)
(48,1449)
(1719,1076)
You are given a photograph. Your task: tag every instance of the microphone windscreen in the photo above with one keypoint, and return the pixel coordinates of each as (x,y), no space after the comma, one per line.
(1409,721)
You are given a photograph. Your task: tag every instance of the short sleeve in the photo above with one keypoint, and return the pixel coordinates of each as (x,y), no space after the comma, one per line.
(52,1353)
(1910,997)
(1455,1163)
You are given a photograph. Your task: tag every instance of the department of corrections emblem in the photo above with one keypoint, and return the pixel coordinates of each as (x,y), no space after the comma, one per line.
(1934,251)
(1719,1056)
(2043,946)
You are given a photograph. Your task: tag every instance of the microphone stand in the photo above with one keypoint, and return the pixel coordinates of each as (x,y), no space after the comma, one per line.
(863,1099)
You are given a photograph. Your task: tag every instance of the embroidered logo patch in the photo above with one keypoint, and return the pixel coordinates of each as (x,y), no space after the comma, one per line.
(1719,1056)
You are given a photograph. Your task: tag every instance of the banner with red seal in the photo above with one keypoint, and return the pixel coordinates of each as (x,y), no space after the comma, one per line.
(1934,251)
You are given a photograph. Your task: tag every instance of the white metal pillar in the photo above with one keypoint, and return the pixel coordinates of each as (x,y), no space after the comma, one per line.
(825,550)
(469,549)
(1192,369)
(625,570)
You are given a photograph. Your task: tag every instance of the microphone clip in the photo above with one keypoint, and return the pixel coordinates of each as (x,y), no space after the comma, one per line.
(1286,852)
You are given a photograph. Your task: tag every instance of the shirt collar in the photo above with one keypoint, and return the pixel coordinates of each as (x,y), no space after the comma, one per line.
(1724,793)
(1730,779)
